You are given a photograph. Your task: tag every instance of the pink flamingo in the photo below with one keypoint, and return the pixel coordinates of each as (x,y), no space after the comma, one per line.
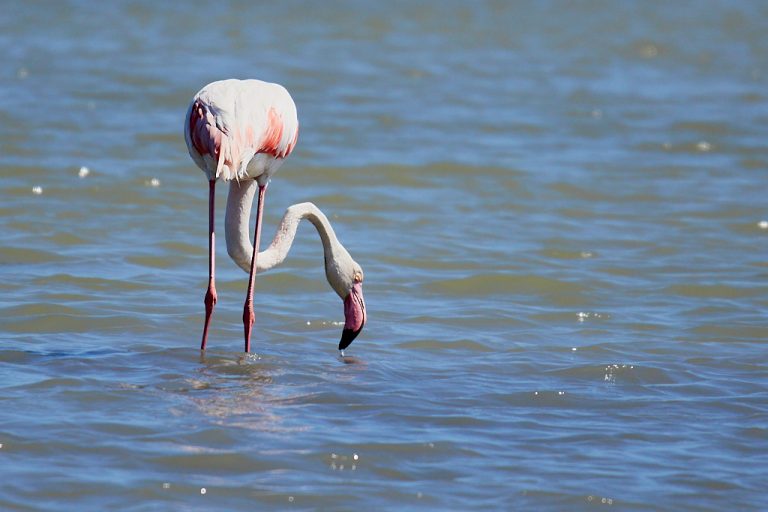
(241,131)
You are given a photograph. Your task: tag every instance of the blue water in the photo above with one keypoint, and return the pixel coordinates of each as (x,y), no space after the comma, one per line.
(560,210)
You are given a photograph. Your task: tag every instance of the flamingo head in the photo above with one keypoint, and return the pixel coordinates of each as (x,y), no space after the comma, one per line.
(345,276)
(354,313)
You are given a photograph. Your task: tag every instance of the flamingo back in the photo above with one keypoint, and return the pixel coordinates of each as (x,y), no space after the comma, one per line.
(240,129)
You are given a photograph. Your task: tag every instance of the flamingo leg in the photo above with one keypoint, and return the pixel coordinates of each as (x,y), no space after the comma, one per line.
(248,315)
(210,295)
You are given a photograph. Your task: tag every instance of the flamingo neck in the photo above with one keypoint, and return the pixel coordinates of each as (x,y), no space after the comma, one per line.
(237,231)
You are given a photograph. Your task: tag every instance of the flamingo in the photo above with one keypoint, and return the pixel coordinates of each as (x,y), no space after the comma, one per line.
(241,131)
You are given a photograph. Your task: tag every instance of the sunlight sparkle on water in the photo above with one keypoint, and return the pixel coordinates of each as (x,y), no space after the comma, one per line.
(342,462)
(334,323)
(583,316)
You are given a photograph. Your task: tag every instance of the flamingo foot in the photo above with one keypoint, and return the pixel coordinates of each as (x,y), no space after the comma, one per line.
(210,302)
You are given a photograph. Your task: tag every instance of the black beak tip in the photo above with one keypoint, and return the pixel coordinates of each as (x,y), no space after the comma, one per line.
(347,337)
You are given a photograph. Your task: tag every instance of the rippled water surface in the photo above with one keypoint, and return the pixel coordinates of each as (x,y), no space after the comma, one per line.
(561,212)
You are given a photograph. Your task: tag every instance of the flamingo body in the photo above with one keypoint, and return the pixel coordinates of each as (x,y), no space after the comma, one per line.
(240,129)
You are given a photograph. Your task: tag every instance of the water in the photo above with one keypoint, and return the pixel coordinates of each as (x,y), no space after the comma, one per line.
(560,209)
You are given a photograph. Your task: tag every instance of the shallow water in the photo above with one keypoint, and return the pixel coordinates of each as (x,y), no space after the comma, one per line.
(560,210)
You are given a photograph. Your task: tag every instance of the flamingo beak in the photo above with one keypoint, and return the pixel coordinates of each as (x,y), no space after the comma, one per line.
(354,315)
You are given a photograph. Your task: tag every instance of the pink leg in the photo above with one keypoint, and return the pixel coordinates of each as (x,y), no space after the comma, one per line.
(210,295)
(248,316)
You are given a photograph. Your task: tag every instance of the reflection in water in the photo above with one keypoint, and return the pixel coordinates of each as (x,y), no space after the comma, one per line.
(237,392)
(350,359)
(255,392)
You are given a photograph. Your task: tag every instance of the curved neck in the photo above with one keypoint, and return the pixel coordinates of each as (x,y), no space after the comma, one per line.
(237,231)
